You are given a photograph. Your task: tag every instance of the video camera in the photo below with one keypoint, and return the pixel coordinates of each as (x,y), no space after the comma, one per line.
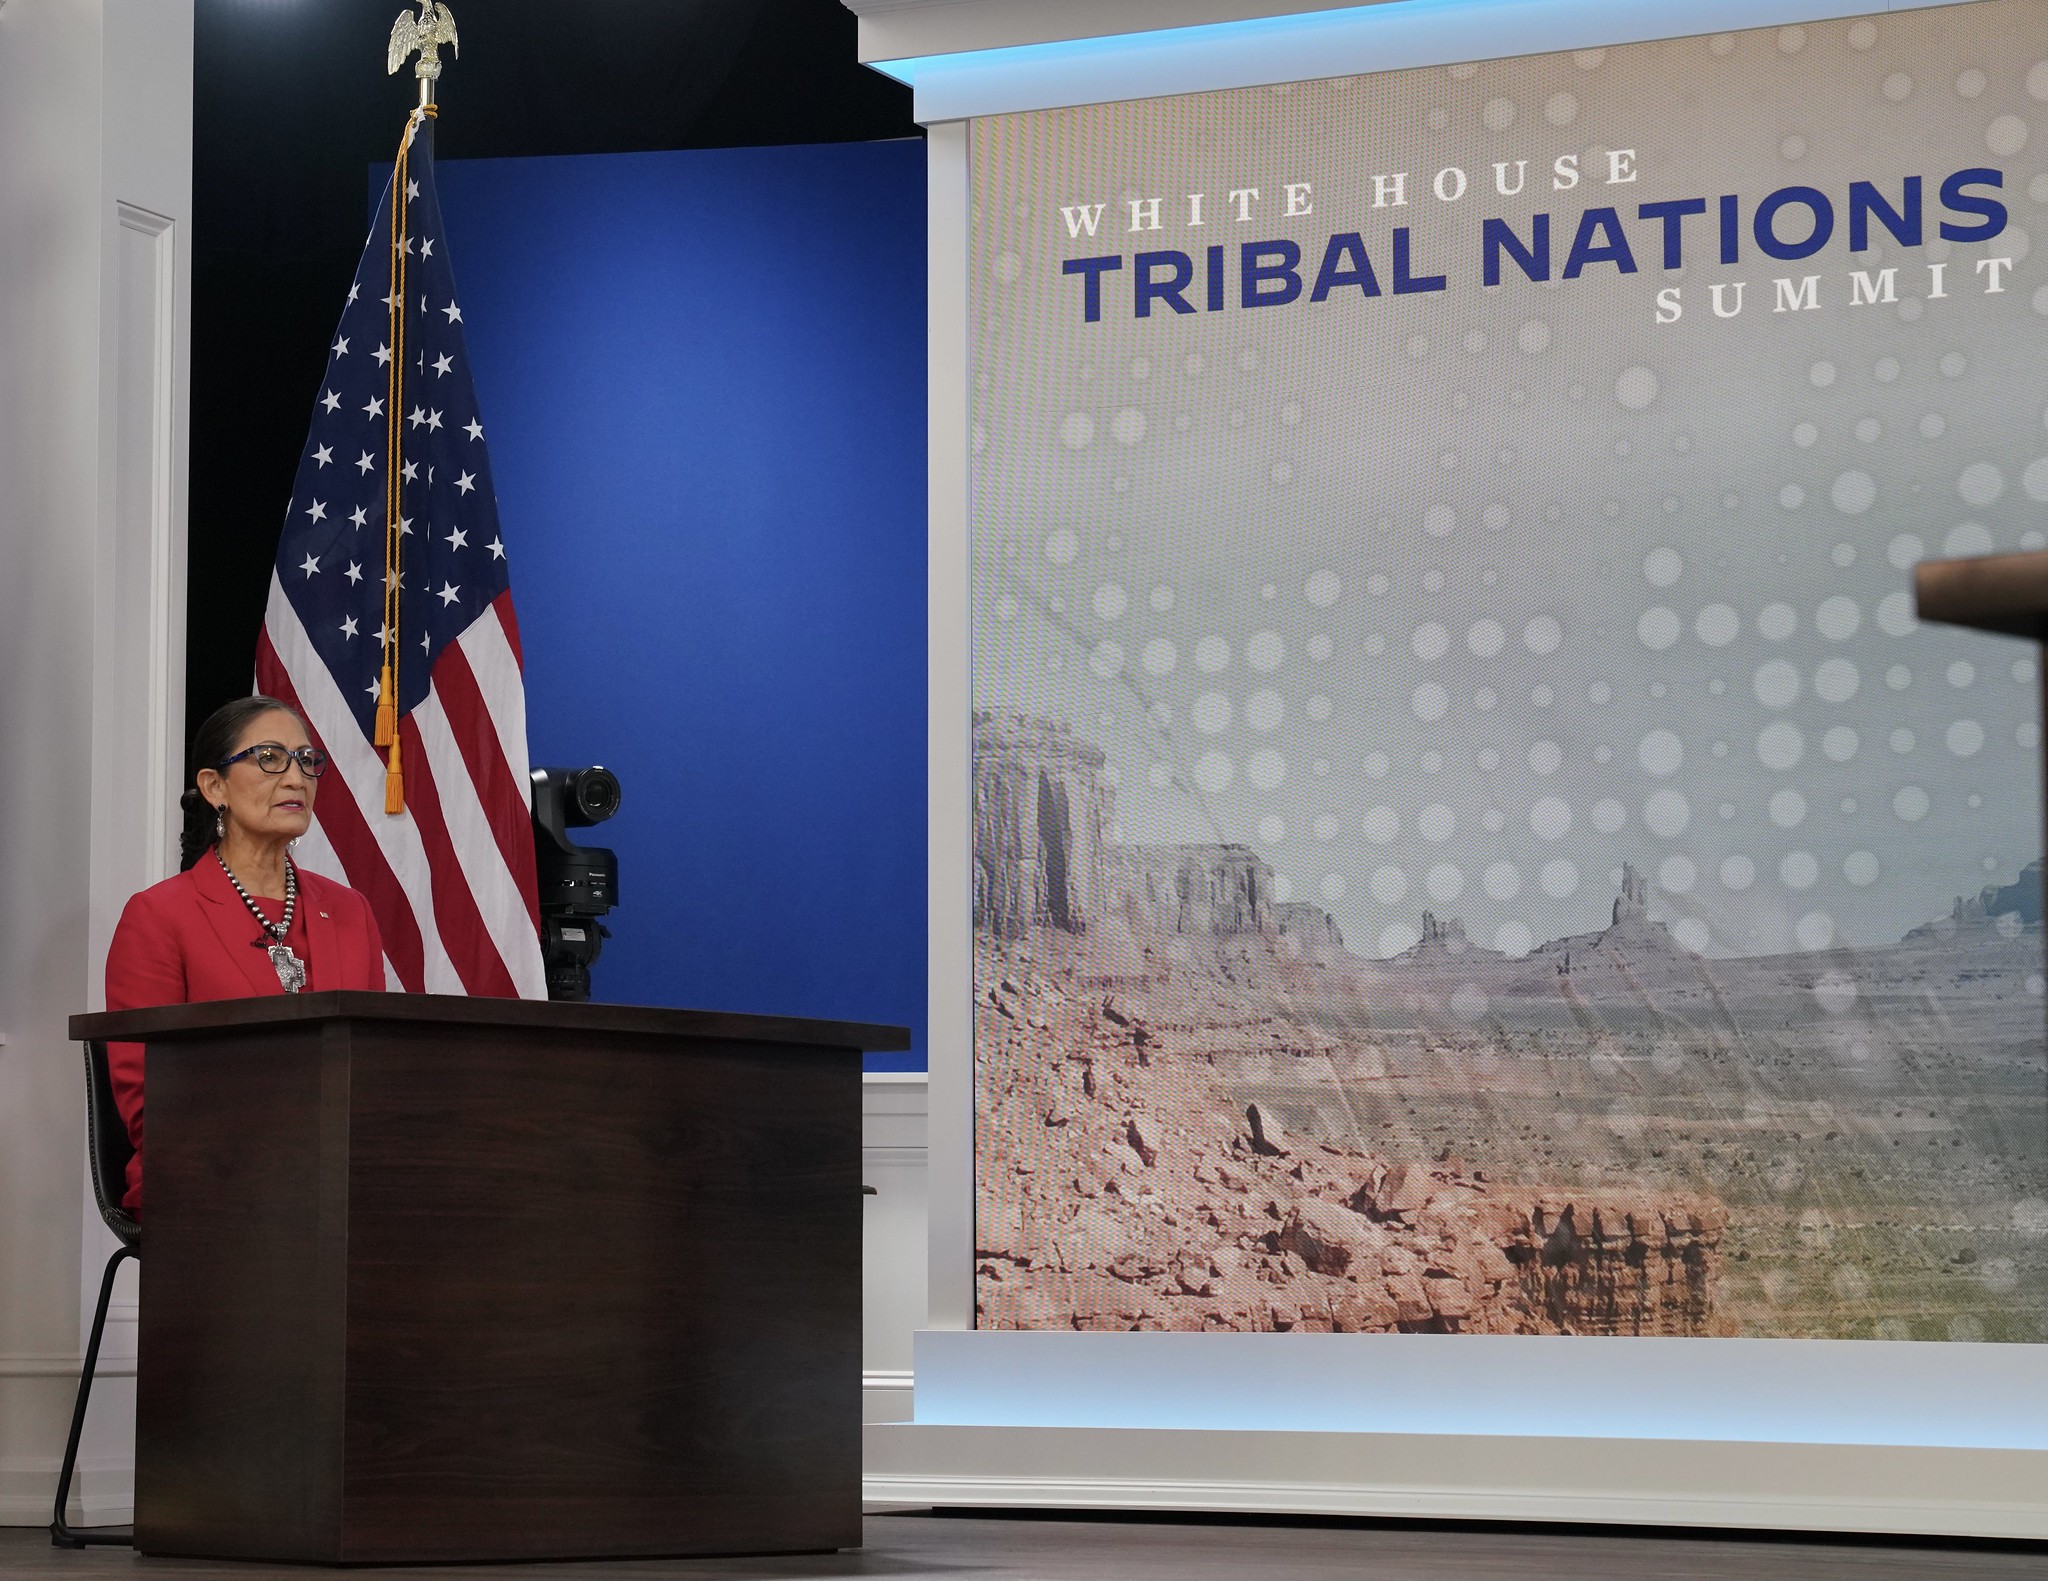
(578,883)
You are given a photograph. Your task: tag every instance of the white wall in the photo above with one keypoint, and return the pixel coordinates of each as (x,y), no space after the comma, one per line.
(893,1127)
(95,205)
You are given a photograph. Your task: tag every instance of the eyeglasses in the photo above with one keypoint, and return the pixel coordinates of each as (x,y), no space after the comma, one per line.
(271,758)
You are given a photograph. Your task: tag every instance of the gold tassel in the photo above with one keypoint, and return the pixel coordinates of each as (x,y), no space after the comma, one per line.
(387,711)
(394,781)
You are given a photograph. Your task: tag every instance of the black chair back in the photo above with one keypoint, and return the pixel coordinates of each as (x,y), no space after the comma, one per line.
(107,1139)
(109,1151)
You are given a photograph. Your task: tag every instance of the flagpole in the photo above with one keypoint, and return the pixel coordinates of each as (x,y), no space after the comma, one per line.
(424,33)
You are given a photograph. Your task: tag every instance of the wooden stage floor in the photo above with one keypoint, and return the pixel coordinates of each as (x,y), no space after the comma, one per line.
(918,1545)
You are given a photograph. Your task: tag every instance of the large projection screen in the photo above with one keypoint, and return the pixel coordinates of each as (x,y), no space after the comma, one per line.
(1468,835)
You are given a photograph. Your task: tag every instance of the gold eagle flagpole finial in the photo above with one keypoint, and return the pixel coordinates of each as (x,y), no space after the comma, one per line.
(427,32)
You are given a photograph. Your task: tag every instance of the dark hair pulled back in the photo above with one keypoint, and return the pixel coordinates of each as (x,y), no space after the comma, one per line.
(215,739)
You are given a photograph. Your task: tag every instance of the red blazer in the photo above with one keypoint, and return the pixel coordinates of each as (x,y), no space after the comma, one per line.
(191,938)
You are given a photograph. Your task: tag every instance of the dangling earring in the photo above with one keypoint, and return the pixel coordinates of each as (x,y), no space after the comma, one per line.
(220,823)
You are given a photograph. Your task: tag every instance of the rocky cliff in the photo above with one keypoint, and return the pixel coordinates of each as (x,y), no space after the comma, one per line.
(1310,930)
(1041,819)
(1204,890)
(1119,1187)
(2018,902)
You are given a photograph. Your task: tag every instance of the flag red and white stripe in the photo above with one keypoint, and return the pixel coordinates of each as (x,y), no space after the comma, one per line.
(452,878)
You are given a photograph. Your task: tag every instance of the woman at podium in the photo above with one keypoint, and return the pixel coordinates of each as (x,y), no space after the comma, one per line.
(240,919)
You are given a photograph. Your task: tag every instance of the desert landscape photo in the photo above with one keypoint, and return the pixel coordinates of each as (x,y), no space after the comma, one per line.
(1197,1109)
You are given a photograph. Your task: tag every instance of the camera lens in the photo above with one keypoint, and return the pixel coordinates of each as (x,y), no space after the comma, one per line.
(596,793)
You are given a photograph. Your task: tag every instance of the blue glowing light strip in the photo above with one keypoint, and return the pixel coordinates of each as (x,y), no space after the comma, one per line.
(1385,37)
(1762,1391)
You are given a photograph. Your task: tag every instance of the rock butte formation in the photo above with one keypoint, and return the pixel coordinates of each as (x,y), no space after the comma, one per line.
(1217,890)
(1040,816)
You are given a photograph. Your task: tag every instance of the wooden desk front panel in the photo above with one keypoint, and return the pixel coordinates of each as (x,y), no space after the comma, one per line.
(238,1411)
(585,1295)
(610,1289)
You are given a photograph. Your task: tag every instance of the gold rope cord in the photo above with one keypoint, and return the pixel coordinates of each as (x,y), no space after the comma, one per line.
(386,733)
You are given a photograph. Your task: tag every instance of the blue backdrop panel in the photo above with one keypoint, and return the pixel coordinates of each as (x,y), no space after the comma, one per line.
(702,376)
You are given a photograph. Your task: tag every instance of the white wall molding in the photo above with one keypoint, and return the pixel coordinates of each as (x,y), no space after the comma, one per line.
(886,1395)
(149,513)
(895,1109)
(30,1365)
(894,1123)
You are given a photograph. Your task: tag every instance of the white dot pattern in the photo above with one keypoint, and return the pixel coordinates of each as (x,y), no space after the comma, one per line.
(1589,608)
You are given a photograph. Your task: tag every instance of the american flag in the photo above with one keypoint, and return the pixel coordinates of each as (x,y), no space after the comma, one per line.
(396,431)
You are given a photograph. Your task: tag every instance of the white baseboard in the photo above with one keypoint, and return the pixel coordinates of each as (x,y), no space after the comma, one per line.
(1767,1487)
(36,1395)
(103,1492)
(886,1395)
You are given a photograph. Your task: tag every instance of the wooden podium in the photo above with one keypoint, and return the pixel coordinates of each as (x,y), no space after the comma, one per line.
(436,1278)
